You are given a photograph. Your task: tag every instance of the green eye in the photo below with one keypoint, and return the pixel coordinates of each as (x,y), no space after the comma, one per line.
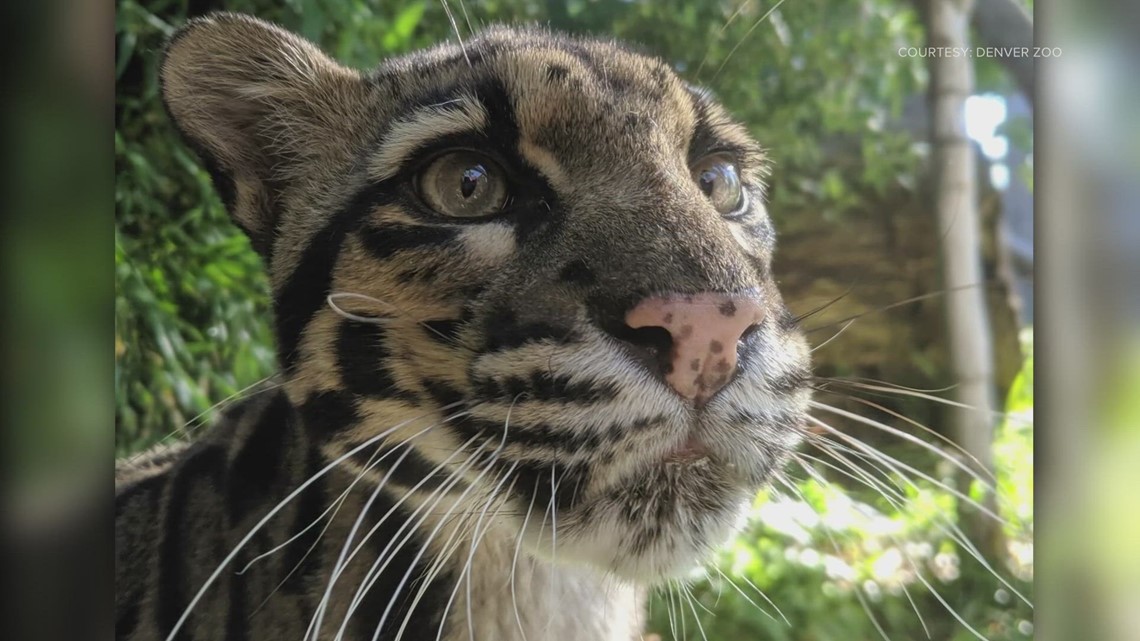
(463,184)
(719,179)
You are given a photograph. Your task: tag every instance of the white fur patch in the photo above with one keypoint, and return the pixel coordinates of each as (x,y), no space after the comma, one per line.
(405,135)
(491,243)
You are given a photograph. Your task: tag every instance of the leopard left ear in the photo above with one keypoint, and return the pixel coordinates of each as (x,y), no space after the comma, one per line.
(260,106)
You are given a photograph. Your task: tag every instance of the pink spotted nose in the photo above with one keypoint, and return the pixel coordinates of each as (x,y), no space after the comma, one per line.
(705,329)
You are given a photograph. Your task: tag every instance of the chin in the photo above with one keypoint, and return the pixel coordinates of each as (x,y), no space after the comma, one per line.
(656,525)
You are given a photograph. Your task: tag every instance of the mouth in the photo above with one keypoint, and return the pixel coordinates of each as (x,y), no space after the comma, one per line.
(691,450)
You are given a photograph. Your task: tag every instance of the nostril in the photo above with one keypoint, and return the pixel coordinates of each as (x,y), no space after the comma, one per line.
(651,345)
(749,332)
(705,331)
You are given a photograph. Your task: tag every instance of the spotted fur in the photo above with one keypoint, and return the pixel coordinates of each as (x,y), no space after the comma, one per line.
(460,399)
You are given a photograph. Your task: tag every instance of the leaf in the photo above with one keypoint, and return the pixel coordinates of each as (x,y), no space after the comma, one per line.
(400,33)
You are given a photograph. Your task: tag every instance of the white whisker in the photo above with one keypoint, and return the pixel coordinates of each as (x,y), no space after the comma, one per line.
(910,438)
(273,512)
(409,526)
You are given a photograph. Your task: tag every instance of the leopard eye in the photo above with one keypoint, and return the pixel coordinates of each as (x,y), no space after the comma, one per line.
(463,184)
(719,179)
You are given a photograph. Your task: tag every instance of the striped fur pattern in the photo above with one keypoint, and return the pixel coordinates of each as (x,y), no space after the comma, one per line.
(462,444)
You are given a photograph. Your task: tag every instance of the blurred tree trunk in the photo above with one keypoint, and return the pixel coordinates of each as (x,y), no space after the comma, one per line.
(1006,23)
(956,202)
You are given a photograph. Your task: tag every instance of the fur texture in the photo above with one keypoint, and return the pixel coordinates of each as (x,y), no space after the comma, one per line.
(466,440)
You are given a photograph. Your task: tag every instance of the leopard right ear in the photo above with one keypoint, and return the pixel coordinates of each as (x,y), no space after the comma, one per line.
(259,105)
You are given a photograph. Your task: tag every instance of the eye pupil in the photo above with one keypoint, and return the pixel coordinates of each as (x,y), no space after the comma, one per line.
(470,180)
(462,184)
(718,178)
(707,181)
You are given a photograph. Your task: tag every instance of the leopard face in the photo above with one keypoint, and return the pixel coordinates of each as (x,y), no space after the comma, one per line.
(543,263)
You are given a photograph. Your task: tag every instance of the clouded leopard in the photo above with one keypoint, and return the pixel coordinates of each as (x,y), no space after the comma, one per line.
(533,358)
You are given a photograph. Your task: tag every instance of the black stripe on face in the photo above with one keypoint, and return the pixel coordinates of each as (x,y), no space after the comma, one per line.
(443,394)
(548,485)
(362,353)
(257,467)
(532,207)
(502,330)
(308,287)
(389,239)
(328,413)
(539,436)
(577,272)
(544,386)
(781,419)
(444,330)
(204,465)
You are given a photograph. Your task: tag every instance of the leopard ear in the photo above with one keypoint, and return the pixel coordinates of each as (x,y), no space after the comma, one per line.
(258,104)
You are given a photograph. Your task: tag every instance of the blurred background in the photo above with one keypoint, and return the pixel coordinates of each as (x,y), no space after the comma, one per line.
(847,113)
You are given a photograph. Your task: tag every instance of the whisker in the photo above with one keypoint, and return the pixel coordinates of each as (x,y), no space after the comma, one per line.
(854,380)
(455,28)
(342,560)
(856,587)
(337,504)
(331,301)
(190,427)
(907,301)
(696,617)
(553,538)
(905,391)
(833,337)
(758,591)
(719,34)
(449,547)
(812,312)
(424,546)
(910,438)
(380,320)
(334,507)
(950,529)
(958,448)
(468,568)
(409,526)
(892,462)
(273,512)
(745,37)
(898,501)
(466,18)
(515,562)
(671,610)
(423,549)
(415,561)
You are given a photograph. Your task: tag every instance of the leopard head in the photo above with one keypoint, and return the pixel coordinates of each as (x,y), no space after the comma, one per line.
(541,264)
